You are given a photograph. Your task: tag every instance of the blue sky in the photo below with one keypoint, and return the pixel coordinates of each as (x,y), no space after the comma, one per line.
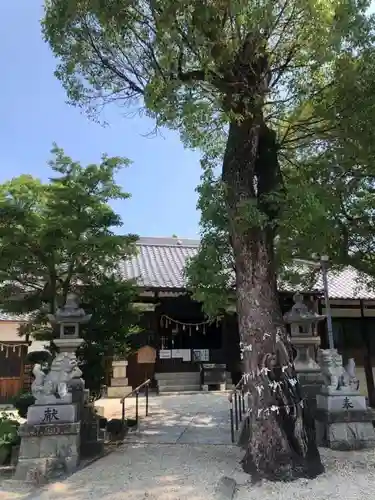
(163,176)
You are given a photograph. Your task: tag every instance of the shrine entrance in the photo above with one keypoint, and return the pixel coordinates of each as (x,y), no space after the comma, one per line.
(186,338)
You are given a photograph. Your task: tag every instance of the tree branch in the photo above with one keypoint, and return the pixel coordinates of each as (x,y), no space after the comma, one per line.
(107,64)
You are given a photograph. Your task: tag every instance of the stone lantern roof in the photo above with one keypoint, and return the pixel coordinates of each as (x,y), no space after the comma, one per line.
(70,313)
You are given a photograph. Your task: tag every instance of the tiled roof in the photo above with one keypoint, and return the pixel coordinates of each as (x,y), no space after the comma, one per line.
(348,284)
(160,264)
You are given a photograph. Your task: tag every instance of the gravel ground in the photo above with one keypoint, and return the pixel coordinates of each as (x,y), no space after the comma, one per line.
(348,476)
(152,472)
(183,451)
(188,472)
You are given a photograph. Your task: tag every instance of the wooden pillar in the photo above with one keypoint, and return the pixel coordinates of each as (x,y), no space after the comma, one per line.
(367,358)
(155,326)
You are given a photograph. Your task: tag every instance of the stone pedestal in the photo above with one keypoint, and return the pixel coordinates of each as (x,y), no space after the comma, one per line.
(47,450)
(343,422)
(78,393)
(119,382)
(52,437)
(91,443)
(310,384)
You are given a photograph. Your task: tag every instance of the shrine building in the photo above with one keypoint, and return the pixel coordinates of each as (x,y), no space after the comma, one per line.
(179,338)
(177,328)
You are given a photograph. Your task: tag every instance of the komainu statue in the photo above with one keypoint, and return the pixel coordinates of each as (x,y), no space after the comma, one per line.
(330,362)
(52,387)
(335,376)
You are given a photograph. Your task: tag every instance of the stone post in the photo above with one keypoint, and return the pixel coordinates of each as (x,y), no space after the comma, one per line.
(343,421)
(51,437)
(304,338)
(119,382)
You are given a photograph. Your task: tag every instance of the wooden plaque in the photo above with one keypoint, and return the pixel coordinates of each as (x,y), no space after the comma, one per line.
(146,354)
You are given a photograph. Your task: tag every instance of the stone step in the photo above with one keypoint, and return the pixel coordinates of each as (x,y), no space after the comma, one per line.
(179,388)
(178,376)
(179,381)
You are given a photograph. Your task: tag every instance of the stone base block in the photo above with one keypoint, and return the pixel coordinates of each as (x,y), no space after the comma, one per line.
(118,392)
(40,470)
(47,451)
(52,414)
(345,431)
(341,403)
(119,382)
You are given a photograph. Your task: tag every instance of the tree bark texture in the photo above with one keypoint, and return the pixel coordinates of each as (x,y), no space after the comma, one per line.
(281,442)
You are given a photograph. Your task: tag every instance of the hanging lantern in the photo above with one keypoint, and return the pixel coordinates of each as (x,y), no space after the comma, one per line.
(204,329)
(197,328)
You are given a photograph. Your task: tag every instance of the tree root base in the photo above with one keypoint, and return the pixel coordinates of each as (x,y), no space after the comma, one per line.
(270,454)
(286,472)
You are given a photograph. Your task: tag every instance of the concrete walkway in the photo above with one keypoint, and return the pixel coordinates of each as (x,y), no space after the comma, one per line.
(181,452)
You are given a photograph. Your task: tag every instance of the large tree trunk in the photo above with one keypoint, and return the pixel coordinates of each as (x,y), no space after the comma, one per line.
(281,442)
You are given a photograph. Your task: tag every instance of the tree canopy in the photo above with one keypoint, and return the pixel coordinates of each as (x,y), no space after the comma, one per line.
(58,235)
(329,192)
(177,57)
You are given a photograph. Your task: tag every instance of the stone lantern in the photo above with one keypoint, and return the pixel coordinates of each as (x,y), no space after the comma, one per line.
(69,318)
(305,340)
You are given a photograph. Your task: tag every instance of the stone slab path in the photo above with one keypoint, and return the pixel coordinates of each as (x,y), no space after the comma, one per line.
(199,419)
(181,452)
